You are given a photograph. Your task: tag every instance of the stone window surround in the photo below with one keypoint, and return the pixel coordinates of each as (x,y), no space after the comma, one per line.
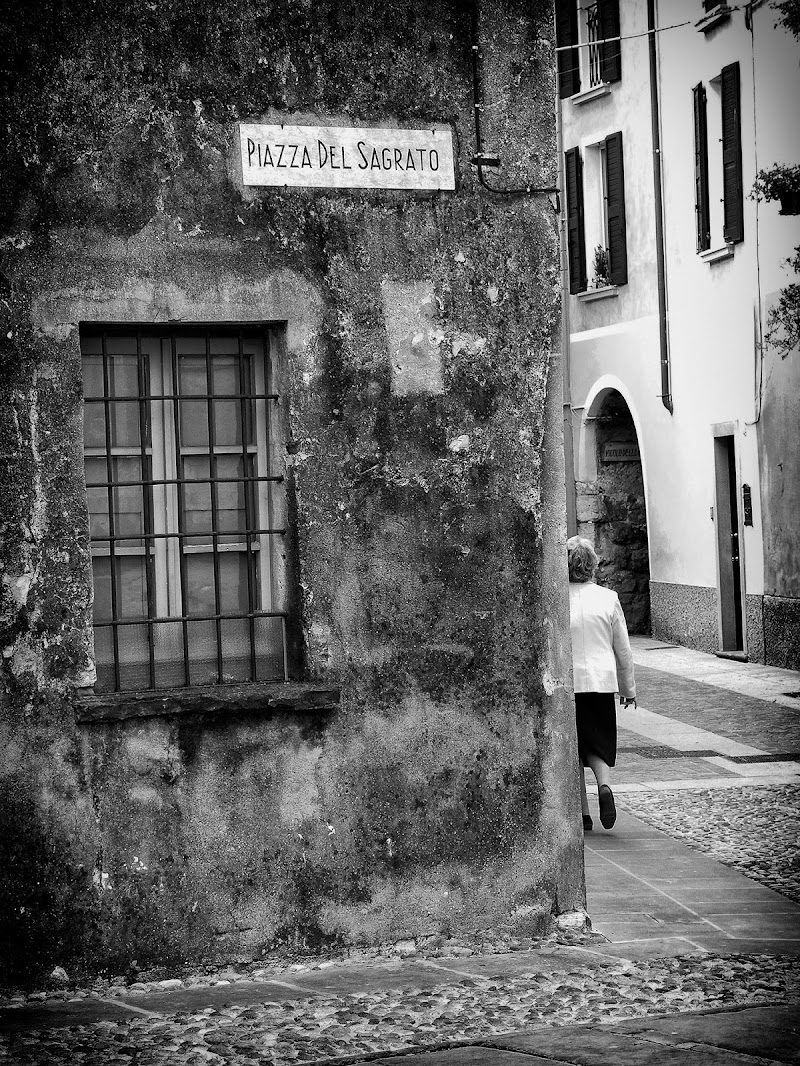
(116,292)
(260,698)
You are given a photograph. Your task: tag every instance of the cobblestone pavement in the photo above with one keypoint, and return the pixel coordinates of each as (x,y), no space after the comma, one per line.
(705,801)
(755,830)
(338,1028)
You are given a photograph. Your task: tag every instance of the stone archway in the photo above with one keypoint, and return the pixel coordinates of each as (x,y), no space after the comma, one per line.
(612,510)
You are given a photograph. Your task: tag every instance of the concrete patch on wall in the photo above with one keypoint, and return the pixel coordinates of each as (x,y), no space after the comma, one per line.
(415,361)
(685,614)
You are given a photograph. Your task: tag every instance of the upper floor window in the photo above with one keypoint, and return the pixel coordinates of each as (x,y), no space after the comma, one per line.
(719,189)
(595,206)
(186,508)
(587,38)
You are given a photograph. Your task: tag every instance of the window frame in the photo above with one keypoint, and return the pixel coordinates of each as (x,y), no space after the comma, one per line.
(164,538)
(589,49)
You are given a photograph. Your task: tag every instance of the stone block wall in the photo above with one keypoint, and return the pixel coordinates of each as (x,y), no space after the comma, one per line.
(438,797)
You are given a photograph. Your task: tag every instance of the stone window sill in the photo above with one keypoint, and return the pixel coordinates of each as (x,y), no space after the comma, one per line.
(592,94)
(717,255)
(266,698)
(713,18)
(602,293)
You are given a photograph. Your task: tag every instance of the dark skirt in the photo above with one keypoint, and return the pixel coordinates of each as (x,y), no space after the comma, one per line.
(596,718)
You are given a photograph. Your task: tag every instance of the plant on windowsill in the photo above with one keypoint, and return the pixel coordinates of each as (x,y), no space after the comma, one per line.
(781,183)
(601,277)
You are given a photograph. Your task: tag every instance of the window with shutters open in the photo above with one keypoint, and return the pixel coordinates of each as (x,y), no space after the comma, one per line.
(719,188)
(599,226)
(589,51)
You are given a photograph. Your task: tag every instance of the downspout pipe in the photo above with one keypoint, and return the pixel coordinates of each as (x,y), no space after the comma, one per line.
(566,355)
(655,116)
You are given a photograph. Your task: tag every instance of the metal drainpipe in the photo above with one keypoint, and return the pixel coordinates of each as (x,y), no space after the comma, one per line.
(569,454)
(666,373)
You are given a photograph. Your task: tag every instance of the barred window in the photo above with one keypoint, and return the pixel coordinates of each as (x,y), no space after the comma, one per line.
(186,508)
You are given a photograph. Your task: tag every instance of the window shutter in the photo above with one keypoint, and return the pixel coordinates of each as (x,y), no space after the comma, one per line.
(569,73)
(576,241)
(610,56)
(732,190)
(615,211)
(701,169)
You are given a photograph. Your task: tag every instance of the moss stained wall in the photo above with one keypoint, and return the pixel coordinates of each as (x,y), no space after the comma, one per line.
(441,797)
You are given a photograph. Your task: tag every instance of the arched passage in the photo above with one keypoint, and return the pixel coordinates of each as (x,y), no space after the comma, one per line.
(611,505)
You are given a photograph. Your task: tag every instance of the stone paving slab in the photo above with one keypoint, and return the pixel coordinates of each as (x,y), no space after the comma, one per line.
(470,1056)
(748,720)
(752,679)
(754,829)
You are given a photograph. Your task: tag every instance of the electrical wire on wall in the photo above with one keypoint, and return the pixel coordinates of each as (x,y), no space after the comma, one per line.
(483,159)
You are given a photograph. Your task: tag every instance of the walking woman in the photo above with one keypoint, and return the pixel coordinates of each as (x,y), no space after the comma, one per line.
(602,666)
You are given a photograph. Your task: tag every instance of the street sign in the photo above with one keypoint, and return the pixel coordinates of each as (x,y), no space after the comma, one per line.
(347,157)
(620,452)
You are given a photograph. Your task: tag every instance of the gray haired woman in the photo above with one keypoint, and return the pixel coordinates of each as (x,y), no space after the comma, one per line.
(602,665)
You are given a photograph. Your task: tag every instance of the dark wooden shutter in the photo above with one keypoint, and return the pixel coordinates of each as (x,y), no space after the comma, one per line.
(732,190)
(576,240)
(569,72)
(701,207)
(615,211)
(608,25)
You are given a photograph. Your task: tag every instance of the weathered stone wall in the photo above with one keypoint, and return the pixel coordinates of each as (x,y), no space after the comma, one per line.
(611,512)
(440,798)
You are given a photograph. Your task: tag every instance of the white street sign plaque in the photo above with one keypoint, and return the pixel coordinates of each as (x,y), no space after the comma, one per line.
(346,157)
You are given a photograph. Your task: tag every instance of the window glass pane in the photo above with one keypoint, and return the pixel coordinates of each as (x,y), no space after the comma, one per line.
(236,661)
(202,653)
(200,582)
(193,381)
(269,649)
(231,495)
(123,371)
(231,512)
(94,425)
(233,575)
(97,498)
(227,413)
(130,584)
(124,425)
(168,654)
(197,499)
(128,500)
(92,367)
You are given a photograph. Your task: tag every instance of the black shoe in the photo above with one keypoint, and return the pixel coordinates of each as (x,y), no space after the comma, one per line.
(608,810)
(587,823)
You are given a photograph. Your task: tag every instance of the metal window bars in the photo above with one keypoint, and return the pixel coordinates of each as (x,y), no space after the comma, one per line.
(187,521)
(593,38)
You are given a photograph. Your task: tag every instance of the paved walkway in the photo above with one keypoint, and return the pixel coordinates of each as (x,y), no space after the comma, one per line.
(694,957)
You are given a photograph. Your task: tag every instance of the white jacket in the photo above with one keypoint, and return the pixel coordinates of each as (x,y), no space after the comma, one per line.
(601,651)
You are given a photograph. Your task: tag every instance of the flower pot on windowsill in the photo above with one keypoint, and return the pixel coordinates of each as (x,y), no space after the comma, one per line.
(790,202)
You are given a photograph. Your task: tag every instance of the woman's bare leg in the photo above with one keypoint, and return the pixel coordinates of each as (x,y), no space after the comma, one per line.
(601,770)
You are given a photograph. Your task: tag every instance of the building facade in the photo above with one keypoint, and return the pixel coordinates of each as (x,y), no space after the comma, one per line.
(681,409)
(285,641)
